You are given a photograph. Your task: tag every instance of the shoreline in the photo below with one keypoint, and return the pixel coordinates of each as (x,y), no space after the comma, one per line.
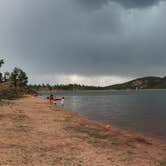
(148,133)
(33,132)
(116,127)
(86,91)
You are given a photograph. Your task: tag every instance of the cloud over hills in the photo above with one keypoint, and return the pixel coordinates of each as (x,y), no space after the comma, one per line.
(63,38)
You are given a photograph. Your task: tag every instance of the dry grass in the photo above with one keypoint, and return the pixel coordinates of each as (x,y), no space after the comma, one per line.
(161,163)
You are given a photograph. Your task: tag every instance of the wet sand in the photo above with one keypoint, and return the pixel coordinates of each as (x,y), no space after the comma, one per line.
(35,133)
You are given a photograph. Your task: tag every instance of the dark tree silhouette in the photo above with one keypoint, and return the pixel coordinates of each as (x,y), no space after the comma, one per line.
(19,77)
(1,62)
(1,75)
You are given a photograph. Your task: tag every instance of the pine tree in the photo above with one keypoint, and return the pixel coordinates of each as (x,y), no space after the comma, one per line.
(1,75)
(19,77)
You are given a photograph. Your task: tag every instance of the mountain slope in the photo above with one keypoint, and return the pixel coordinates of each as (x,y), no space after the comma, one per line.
(142,83)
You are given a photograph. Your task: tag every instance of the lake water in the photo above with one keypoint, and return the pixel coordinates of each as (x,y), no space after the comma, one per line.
(139,111)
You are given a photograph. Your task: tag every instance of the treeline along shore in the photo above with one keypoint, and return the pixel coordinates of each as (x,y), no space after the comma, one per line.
(139,83)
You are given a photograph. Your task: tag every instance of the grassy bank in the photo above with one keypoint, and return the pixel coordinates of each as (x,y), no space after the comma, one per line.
(9,91)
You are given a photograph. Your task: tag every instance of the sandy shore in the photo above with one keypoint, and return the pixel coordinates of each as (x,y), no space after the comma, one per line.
(35,133)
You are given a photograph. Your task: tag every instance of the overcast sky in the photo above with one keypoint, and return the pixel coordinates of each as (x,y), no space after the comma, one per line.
(94,42)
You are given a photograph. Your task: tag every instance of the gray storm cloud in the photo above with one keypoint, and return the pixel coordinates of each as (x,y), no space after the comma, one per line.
(55,36)
(95,4)
(137,3)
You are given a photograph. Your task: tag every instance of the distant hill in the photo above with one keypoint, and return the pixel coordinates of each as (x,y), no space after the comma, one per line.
(142,83)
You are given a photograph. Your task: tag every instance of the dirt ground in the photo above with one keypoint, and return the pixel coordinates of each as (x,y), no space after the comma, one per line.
(35,133)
